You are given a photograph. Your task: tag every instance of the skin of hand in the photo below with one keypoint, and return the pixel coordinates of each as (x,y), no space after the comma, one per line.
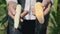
(46,4)
(47,10)
(23,14)
(11,9)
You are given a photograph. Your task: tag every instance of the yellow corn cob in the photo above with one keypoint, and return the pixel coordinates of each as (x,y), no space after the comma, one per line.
(16,18)
(39,12)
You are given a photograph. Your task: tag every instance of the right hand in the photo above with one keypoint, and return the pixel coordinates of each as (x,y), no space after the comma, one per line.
(11,9)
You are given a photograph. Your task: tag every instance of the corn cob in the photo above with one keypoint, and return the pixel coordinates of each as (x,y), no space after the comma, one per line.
(16,18)
(39,12)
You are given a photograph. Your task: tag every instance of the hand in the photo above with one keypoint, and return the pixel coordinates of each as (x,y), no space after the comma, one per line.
(21,18)
(11,9)
(25,12)
(47,5)
(47,9)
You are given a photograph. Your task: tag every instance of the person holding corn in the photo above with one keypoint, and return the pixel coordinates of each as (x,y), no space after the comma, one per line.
(30,24)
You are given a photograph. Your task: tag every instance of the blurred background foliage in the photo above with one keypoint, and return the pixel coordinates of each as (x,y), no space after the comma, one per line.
(3,16)
(54,19)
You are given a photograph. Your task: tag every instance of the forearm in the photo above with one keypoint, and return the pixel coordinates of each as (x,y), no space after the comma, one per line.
(46,11)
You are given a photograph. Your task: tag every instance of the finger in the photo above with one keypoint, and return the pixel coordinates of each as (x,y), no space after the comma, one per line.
(21,20)
(9,13)
(20,16)
(12,10)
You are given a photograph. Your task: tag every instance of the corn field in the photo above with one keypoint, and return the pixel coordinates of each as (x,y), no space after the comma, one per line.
(54,19)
